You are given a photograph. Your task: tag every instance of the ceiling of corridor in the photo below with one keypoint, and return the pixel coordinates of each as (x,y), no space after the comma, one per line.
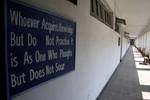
(137,15)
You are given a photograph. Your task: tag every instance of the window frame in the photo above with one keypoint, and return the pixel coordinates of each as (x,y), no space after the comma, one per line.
(100,12)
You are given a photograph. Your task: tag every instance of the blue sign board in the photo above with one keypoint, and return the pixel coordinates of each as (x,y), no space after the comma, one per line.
(40,46)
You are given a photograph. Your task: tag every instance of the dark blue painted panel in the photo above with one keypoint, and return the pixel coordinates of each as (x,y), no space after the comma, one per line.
(40,46)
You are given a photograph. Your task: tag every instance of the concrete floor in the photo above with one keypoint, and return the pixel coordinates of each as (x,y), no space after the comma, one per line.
(124,84)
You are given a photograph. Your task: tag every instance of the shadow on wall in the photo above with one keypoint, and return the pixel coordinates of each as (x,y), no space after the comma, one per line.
(143,74)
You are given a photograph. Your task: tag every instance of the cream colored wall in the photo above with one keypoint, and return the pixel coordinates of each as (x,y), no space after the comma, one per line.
(97,55)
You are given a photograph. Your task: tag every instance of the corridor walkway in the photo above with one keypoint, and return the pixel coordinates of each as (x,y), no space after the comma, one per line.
(124,84)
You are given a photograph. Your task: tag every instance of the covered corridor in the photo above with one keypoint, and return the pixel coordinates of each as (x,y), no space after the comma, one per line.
(75,50)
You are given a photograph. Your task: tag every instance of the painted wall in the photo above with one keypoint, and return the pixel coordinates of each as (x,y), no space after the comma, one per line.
(97,55)
(124,41)
(125,46)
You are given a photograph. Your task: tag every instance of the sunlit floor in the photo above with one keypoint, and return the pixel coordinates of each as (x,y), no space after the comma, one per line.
(143,74)
(130,81)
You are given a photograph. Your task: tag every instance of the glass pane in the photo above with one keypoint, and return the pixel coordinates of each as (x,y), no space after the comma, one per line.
(97,8)
(92,6)
(101,12)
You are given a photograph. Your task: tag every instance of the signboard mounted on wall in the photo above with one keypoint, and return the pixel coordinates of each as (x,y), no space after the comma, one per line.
(39,46)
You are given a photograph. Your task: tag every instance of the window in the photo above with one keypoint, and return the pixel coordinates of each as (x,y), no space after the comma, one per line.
(119,21)
(99,11)
(73,1)
(117,27)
